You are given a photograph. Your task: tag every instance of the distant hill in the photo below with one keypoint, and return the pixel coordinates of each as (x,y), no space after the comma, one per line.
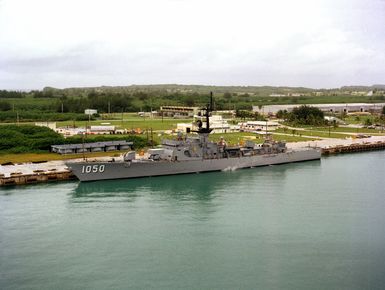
(173,88)
(203,89)
(363,88)
(379,87)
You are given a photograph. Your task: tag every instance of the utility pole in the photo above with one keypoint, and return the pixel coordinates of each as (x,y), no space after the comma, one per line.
(266,129)
(152,139)
(122,117)
(84,156)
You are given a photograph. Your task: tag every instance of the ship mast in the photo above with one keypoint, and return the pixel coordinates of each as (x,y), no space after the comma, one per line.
(204,132)
(208,109)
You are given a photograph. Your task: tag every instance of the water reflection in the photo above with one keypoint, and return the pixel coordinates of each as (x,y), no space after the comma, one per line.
(198,187)
(178,187)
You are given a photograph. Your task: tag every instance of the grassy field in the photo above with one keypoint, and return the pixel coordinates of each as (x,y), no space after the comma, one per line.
(323,134)
(236,138)
(315,133)
(351,130)
(131,122)
(359,119)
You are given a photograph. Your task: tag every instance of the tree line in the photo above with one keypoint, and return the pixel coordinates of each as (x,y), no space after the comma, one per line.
(303,115)
(28,138)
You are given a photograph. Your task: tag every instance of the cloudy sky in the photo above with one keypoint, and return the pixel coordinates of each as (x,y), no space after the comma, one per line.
(312,43)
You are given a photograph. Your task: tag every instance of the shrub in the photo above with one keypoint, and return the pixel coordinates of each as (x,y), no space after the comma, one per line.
(5,106)
(27,138)
(306,115)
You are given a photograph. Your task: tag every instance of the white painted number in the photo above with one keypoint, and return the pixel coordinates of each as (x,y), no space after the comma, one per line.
(93,168)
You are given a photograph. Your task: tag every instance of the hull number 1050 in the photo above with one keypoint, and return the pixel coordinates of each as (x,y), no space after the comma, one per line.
(93,168)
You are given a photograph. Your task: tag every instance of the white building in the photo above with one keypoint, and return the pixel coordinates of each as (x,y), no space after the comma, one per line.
(217,123)
(51,125)
(67,132)
(327,108)
(255,126)
(184,127)
(102,130)
(93,130)
(90,112)
(179,111)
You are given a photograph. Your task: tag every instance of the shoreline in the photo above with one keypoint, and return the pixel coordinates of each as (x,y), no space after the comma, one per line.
(29,173)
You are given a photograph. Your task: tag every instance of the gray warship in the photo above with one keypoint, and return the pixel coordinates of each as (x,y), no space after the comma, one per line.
(192,154)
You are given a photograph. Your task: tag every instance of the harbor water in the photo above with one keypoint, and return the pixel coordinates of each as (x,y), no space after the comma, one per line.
(311,225)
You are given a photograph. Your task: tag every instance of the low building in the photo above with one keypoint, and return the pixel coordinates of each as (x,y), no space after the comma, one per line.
(217,124)
(102,130)
(334,119)
(327,108)
(92,147)
(90,112)
(277,95)
(69,131)
(255,126)
(184,127)
(51,125)
(179,111)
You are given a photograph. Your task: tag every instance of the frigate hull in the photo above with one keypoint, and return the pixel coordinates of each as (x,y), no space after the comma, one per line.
(91,171)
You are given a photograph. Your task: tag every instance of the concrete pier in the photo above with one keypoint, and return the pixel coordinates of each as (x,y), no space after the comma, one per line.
(354,148)
(28,173)
(18,179)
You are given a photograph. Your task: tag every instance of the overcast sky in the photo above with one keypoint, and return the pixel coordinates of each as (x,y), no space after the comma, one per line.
(319,44)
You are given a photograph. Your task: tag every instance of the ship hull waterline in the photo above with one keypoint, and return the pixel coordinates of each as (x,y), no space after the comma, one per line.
(93,171)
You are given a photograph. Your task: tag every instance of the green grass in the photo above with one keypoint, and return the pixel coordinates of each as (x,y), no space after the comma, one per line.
(361,119)
(323,134)
(351,130)
(236,138)
(315,133)
(290,138)
(132,122)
